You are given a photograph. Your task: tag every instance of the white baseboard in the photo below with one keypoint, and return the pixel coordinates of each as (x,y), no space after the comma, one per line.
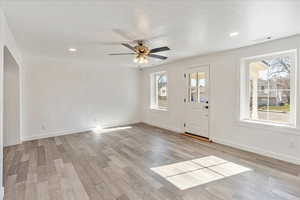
(72,131)
(271,154)
(56,133)
(174,129)
(12,144)
(1,193)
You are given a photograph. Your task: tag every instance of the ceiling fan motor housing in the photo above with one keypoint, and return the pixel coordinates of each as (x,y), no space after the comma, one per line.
(141,49)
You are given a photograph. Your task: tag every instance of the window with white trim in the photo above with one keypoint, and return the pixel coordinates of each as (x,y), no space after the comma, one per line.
(159,90)
(268,88)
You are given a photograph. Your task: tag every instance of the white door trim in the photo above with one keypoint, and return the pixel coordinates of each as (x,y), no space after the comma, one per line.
(185,72)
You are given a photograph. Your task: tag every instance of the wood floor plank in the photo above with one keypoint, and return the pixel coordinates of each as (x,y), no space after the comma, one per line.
(22,171)
(116,165)
(41,158)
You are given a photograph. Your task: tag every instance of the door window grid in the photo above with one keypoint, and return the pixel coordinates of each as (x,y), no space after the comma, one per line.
(196,87)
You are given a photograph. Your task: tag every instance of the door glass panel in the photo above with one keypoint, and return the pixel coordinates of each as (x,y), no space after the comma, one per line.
(193,87)
(193,97)
(193,79)
(201,80)
(201,86)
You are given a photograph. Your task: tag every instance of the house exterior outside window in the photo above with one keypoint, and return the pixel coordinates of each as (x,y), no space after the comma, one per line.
(159,90)
(268,89)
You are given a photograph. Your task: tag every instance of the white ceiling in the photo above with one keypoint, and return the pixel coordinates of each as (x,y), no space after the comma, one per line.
(188,27)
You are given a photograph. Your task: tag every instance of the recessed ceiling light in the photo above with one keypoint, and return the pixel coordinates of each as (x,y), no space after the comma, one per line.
(269,37)
(233,34)
(72,49)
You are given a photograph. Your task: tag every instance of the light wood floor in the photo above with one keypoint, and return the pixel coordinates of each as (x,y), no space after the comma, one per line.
(117,165)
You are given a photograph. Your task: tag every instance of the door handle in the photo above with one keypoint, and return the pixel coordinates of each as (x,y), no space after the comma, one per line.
(206,107)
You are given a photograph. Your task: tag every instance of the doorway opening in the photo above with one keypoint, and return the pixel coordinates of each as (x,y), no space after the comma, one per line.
(11,108)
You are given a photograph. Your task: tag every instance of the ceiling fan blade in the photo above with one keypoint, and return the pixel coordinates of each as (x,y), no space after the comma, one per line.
(157,56)
(127,36)
(159,49)
(128,46)
(119,54)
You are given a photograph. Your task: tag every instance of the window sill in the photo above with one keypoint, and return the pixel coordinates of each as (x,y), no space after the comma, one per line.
(275,127)
(159,109)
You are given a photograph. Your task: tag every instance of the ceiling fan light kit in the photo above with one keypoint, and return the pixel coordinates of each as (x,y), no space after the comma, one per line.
(140,59)
(142,52)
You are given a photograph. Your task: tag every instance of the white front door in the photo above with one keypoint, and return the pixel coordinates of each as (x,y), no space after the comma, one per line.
(197,101)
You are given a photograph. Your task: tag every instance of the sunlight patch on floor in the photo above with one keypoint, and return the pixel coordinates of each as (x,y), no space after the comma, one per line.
(100,129)
(188,174)
(176,168)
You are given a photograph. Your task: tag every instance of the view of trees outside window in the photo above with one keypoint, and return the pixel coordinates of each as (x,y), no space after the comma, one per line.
(270,89)
(162,92)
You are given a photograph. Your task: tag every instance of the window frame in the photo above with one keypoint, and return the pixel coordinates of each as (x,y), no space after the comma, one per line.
(154,91)
(244,115)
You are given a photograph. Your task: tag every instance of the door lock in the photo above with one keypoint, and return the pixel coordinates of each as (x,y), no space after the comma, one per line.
(206,107)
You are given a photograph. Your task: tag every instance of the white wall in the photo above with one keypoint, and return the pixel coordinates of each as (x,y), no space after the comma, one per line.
(1,100)
(6,40)
(65,96)
(11,115)
(224,125)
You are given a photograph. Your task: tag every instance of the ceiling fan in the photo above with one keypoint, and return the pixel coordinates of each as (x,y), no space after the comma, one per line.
(142,52)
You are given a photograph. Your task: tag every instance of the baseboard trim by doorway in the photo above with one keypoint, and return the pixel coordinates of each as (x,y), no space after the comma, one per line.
(205,139)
